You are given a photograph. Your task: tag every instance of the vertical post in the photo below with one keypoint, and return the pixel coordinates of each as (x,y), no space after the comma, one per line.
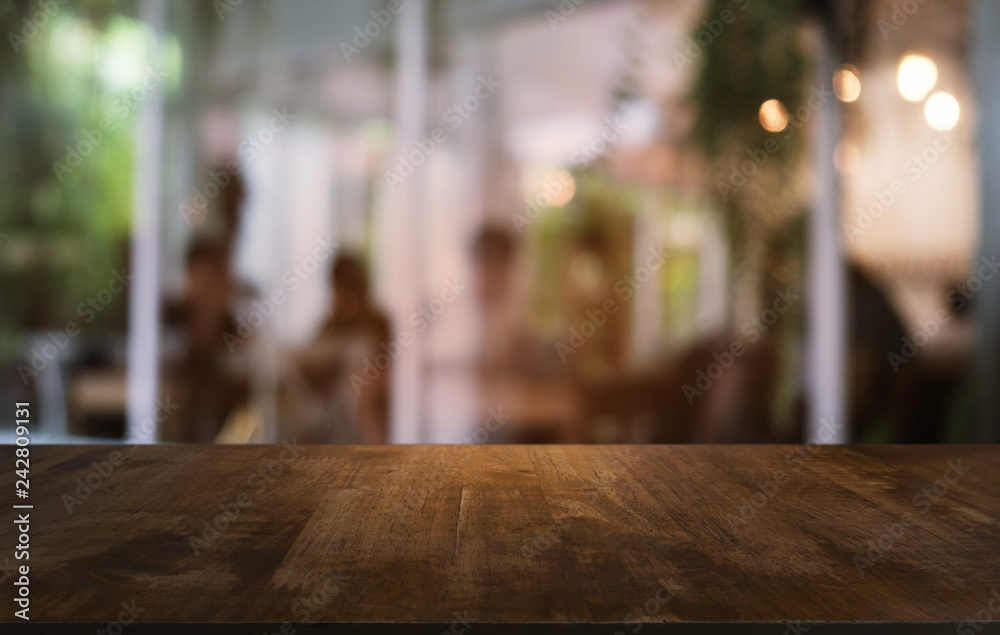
(647,317)
(144,294)
(827,334)
(403,227)
(986,56)
(713,267)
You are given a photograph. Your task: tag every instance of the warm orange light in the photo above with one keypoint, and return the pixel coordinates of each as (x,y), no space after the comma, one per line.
(916,77)
(846,83)
(773,115)
(566,190)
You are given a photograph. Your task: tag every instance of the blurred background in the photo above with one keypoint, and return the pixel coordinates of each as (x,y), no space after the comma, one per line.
(542,221)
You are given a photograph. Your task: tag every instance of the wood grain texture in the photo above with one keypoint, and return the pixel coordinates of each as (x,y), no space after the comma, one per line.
(609,535)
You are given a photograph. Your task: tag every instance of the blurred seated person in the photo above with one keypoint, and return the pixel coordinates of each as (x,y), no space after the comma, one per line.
(221,216)
(339,392)
(515,368)
(493,255)
(207,378)
(738,407)
(874,329)
(507,345)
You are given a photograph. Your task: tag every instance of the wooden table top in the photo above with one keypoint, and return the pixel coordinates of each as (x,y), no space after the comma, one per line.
(677,539)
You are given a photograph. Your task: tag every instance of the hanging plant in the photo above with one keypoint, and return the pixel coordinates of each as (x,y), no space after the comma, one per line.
(749,98)
(752,113)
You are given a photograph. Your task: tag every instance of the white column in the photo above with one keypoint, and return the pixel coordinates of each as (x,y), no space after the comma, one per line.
(827,335)
(402,237)
(713,267)
(144,291)
(647,315)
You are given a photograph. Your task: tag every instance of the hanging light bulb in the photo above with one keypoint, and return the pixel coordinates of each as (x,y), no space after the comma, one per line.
(916,77)
(941,111)
(773,115)
(846,83)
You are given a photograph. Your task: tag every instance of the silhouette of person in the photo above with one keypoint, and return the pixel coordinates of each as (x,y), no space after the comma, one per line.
(338,365)
(208,379)
(493,256)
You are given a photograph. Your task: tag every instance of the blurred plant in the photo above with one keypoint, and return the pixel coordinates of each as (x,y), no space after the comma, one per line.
(66,201)
(581,250)
(755,172)
(754,149)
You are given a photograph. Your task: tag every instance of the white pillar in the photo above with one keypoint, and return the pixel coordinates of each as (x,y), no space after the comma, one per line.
(713,268)
(144,290)
(647,315)
(827,335)
(402,244)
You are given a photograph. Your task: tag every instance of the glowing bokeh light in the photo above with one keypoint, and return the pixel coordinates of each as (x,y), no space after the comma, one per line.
(773,115)
(916,77)
(846,83)
(565,187)
(941,111)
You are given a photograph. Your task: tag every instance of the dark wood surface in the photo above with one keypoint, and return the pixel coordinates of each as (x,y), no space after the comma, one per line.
(673,537)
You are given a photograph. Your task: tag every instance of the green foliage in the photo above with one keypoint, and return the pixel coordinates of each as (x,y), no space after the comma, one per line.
(66,218)
(754,59)
(602,208)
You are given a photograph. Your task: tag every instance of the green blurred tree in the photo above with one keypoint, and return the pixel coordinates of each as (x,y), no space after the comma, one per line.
(758,175)
(65,203)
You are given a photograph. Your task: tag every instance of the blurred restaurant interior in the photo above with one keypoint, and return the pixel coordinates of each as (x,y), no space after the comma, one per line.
(501,221)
